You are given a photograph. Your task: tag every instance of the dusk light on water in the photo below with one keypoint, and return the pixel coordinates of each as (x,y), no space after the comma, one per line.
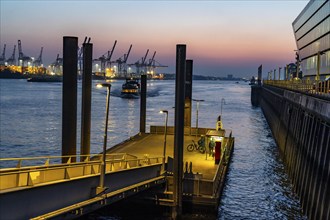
(122,110)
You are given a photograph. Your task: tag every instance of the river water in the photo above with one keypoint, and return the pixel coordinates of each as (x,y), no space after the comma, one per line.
(257,186)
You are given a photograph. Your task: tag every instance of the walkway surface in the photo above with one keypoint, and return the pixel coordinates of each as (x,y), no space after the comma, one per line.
(153,145)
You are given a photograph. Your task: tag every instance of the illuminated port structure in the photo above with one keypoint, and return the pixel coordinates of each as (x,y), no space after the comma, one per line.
(103,67)
(312,34)
(24,64)
(107,68)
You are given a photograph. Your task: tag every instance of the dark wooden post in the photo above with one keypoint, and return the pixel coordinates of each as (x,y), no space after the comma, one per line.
(188,93)
(143,103)
(69,100)
(179,129)
(86,101)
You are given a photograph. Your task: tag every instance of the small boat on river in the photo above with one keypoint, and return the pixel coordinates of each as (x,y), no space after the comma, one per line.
(131,88)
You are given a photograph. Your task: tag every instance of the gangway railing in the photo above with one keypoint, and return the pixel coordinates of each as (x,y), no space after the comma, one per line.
(310,87)
(199,186)
(24,162)
(45,170)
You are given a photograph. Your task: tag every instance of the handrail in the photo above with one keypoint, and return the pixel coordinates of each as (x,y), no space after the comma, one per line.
(47,173)
(223,159)
(311,87)
(47,159)
(208,187)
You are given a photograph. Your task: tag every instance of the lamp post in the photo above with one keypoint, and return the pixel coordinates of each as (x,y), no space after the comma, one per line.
(165,134)
(103,165)
(197,108)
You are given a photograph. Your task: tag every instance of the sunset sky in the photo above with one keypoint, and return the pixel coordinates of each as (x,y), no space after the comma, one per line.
(222,37)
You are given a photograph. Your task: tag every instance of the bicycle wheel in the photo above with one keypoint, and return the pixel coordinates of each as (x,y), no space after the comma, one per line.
(201,149)
(190,147)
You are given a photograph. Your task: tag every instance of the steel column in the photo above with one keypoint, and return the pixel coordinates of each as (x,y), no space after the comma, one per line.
(143,103)
(69,99)
(86,102)
(188,92)
(179,128)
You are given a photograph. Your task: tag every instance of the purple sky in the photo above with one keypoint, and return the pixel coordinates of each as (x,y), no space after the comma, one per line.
(222,37)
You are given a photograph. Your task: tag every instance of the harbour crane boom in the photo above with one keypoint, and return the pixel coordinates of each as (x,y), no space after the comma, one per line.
(122,63)
(38,61)
(113,49)
(40,56)
(141,64)
(3,55)
(126,57)
(145,57)
(110,53)
(12,59)
(21,55)
(57,65)
(152,59)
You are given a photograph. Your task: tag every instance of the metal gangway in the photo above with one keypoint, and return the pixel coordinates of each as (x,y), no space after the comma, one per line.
(46,188)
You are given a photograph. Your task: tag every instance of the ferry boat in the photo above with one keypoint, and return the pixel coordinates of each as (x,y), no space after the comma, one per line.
(131,88)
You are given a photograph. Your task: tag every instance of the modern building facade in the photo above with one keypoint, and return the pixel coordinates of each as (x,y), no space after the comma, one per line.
(312,33)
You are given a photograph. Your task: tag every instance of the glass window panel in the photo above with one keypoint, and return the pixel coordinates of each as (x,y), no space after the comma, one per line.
(319,16)
(311,7)
(320,45)
(317,32)
(309,65)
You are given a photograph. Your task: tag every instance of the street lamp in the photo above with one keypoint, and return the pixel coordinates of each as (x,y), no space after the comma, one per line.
(101,187)
(197,105)
(165,134)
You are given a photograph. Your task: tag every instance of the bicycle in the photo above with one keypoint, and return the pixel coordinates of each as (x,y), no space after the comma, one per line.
(193,146)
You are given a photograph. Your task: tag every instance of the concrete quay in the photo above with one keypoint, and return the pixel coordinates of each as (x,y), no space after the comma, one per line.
(300,124)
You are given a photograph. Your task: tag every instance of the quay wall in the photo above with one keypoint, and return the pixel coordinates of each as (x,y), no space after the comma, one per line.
(300,125)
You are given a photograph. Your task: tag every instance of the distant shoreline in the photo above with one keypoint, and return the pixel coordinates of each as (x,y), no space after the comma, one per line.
(7,74)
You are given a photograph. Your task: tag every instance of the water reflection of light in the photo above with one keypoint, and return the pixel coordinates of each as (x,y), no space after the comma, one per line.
(130,117)
(256,174)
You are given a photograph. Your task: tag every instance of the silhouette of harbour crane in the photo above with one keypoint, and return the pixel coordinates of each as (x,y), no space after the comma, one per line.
(122,63)
(21,56)
(141,64)
(105,59)
(12,60)
(3,56)
(38,61)
(56,66)
(153,64)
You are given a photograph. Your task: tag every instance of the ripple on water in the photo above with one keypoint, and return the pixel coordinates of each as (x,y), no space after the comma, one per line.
(257,186)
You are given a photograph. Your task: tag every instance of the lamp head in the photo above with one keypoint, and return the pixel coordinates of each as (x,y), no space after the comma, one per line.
(198,100)
(100,85)
(163,111)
